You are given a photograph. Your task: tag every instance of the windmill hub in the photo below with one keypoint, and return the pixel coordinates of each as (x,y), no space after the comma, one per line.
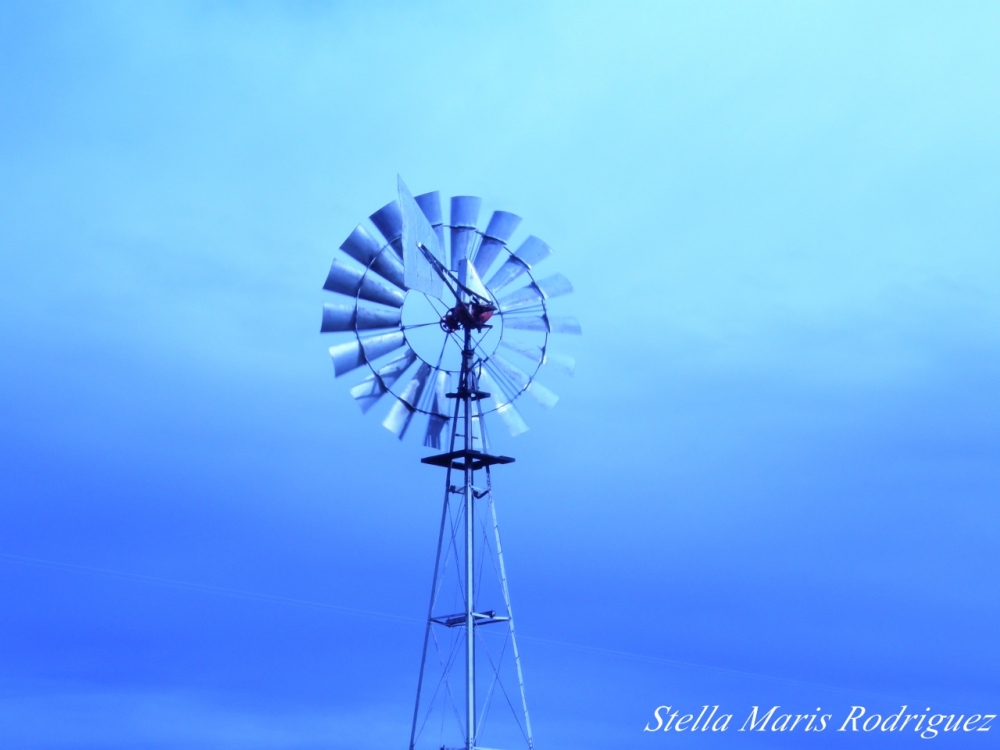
(423,319)
(467,315)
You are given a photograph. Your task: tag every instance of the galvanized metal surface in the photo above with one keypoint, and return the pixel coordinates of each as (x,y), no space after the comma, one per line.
(501,228)
(392,268)
(389,222)
(464,215)
(367,251)
(371,389)
(402,411)
(340,316)
(531,252)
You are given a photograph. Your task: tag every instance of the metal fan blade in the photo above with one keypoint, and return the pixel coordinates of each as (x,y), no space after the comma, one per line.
(415,388)
(435,426)
(354,283)
(498,232)
(419,238)
(370,318)
(534,353)
(375,347)
(343,279)
(361,246)
(511,417)
(440,404)
(492,377)
(430,204)
(510,373)
(346,357)
(564,324)
(524,382)
(534,293)
(389,221)
(374,290)
(531,252)
(337,317)
(372,388)
(394,369)
(368,392)
(550,323)
(353,354)
(510,270)
(366,250)
(524,297)
(401,413)
(347,317)
(526,323)
(541,394)
(555,285)
(398,419)
(560,362)
(464,214)
(439,415)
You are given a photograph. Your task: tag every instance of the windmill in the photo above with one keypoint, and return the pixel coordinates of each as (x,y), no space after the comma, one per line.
(453,326)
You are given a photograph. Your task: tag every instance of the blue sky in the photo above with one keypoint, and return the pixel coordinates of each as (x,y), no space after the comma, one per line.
(772,479)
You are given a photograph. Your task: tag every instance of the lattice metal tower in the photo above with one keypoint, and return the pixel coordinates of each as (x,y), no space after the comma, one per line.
(415,311)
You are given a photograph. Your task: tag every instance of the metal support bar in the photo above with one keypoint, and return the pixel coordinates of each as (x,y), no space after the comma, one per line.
(468,387)
(451,621)
(474,459)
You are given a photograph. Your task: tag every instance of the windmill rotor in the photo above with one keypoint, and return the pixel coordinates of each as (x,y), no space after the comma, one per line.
(398,311)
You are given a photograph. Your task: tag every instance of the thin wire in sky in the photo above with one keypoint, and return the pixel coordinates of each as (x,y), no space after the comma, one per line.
(275,599)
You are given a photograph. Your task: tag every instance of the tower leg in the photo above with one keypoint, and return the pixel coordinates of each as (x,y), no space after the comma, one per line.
(434,581)
(430,613)
(510,621)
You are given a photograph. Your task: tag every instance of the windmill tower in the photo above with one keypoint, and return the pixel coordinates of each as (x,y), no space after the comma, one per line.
(440,342)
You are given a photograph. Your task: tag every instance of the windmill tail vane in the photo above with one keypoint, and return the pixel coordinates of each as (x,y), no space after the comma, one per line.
(453,325)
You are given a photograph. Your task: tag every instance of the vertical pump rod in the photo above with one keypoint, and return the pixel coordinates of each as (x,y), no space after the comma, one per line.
(465,393)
